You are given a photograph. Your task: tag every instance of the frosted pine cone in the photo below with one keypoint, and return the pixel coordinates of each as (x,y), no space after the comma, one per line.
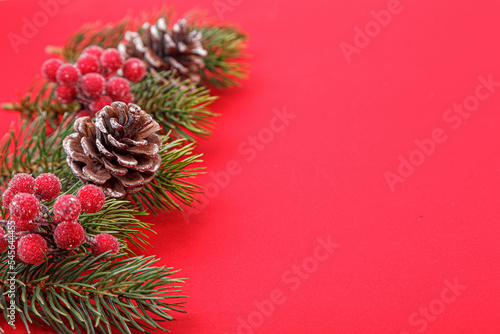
(162,48)
(118,151)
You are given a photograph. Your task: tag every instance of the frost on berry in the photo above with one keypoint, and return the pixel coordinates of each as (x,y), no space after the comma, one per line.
(22,183)
(7,197)
(25,226)
(4,241)
(92,85)
(88,63)
(85,113)
(134,69)
(93,50)
(65,94)
(47,186)
(105,242)
(50,67)
(92,198)
(66,208)
(31,248)
(24,207)
(100,103)
(67,75)
(117,88)
(69,235)
(111,59)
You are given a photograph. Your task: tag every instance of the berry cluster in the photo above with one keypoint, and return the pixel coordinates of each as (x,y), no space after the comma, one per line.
(36,231)
(98,78)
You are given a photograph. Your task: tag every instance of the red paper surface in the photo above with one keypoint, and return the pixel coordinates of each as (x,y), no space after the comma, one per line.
(419,253)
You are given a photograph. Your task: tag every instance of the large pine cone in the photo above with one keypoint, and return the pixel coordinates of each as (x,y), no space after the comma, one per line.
(167,49)
(118,151)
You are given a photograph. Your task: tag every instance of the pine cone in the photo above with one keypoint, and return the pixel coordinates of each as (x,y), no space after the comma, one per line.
(165,49)
(118,151)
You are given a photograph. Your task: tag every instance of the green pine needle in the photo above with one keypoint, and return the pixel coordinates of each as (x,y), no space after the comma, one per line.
(76,292)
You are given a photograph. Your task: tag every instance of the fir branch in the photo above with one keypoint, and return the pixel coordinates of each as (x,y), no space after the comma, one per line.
(33,151)
(41,98)
(170,186)
(224,44)
(106,36)
(179,106)
(82,293)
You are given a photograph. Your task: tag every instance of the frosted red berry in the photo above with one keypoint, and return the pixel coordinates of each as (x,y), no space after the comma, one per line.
(88,63)
(134,69)
(117,88)
(65,94)
(99,103)
(47,186)
(66,208)
(129,98)
(4,242)
(93,50)
(7,197)
(92,85)
(25,226)
(111,59)
(50,67)
(22,183)
(67,75)
(85,113)
(105,242)
(92,198)
(24,207)
(69,235)
(31,248)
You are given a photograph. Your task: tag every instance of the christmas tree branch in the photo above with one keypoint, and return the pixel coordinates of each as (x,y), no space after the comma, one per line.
(177,106)
(32,151)
(79,292)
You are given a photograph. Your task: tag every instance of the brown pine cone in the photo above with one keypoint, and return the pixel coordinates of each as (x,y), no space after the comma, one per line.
(118,151)
(165,49)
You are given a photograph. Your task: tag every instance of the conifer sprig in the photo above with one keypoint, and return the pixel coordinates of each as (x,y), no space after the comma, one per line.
(76,292)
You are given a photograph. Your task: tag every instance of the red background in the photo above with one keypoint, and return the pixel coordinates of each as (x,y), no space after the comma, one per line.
(323,174)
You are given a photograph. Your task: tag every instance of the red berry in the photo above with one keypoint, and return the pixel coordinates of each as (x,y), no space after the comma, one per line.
(69,234)
(129,98)
(67,75)
(93,50)
(111,59)
(4,241)
(92,85)
(117,88)
(134,69)
(50,67)
(47,186)
(7,197)
(25,226)
(88,63)
(65,94)
(85,113)
(105,242)
(66,208)
(24,207)
(100,103)
(92,198)
(22,183)
(31,248)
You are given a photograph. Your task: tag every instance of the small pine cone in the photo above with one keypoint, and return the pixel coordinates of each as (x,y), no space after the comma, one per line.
(162,48)
(118,151)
